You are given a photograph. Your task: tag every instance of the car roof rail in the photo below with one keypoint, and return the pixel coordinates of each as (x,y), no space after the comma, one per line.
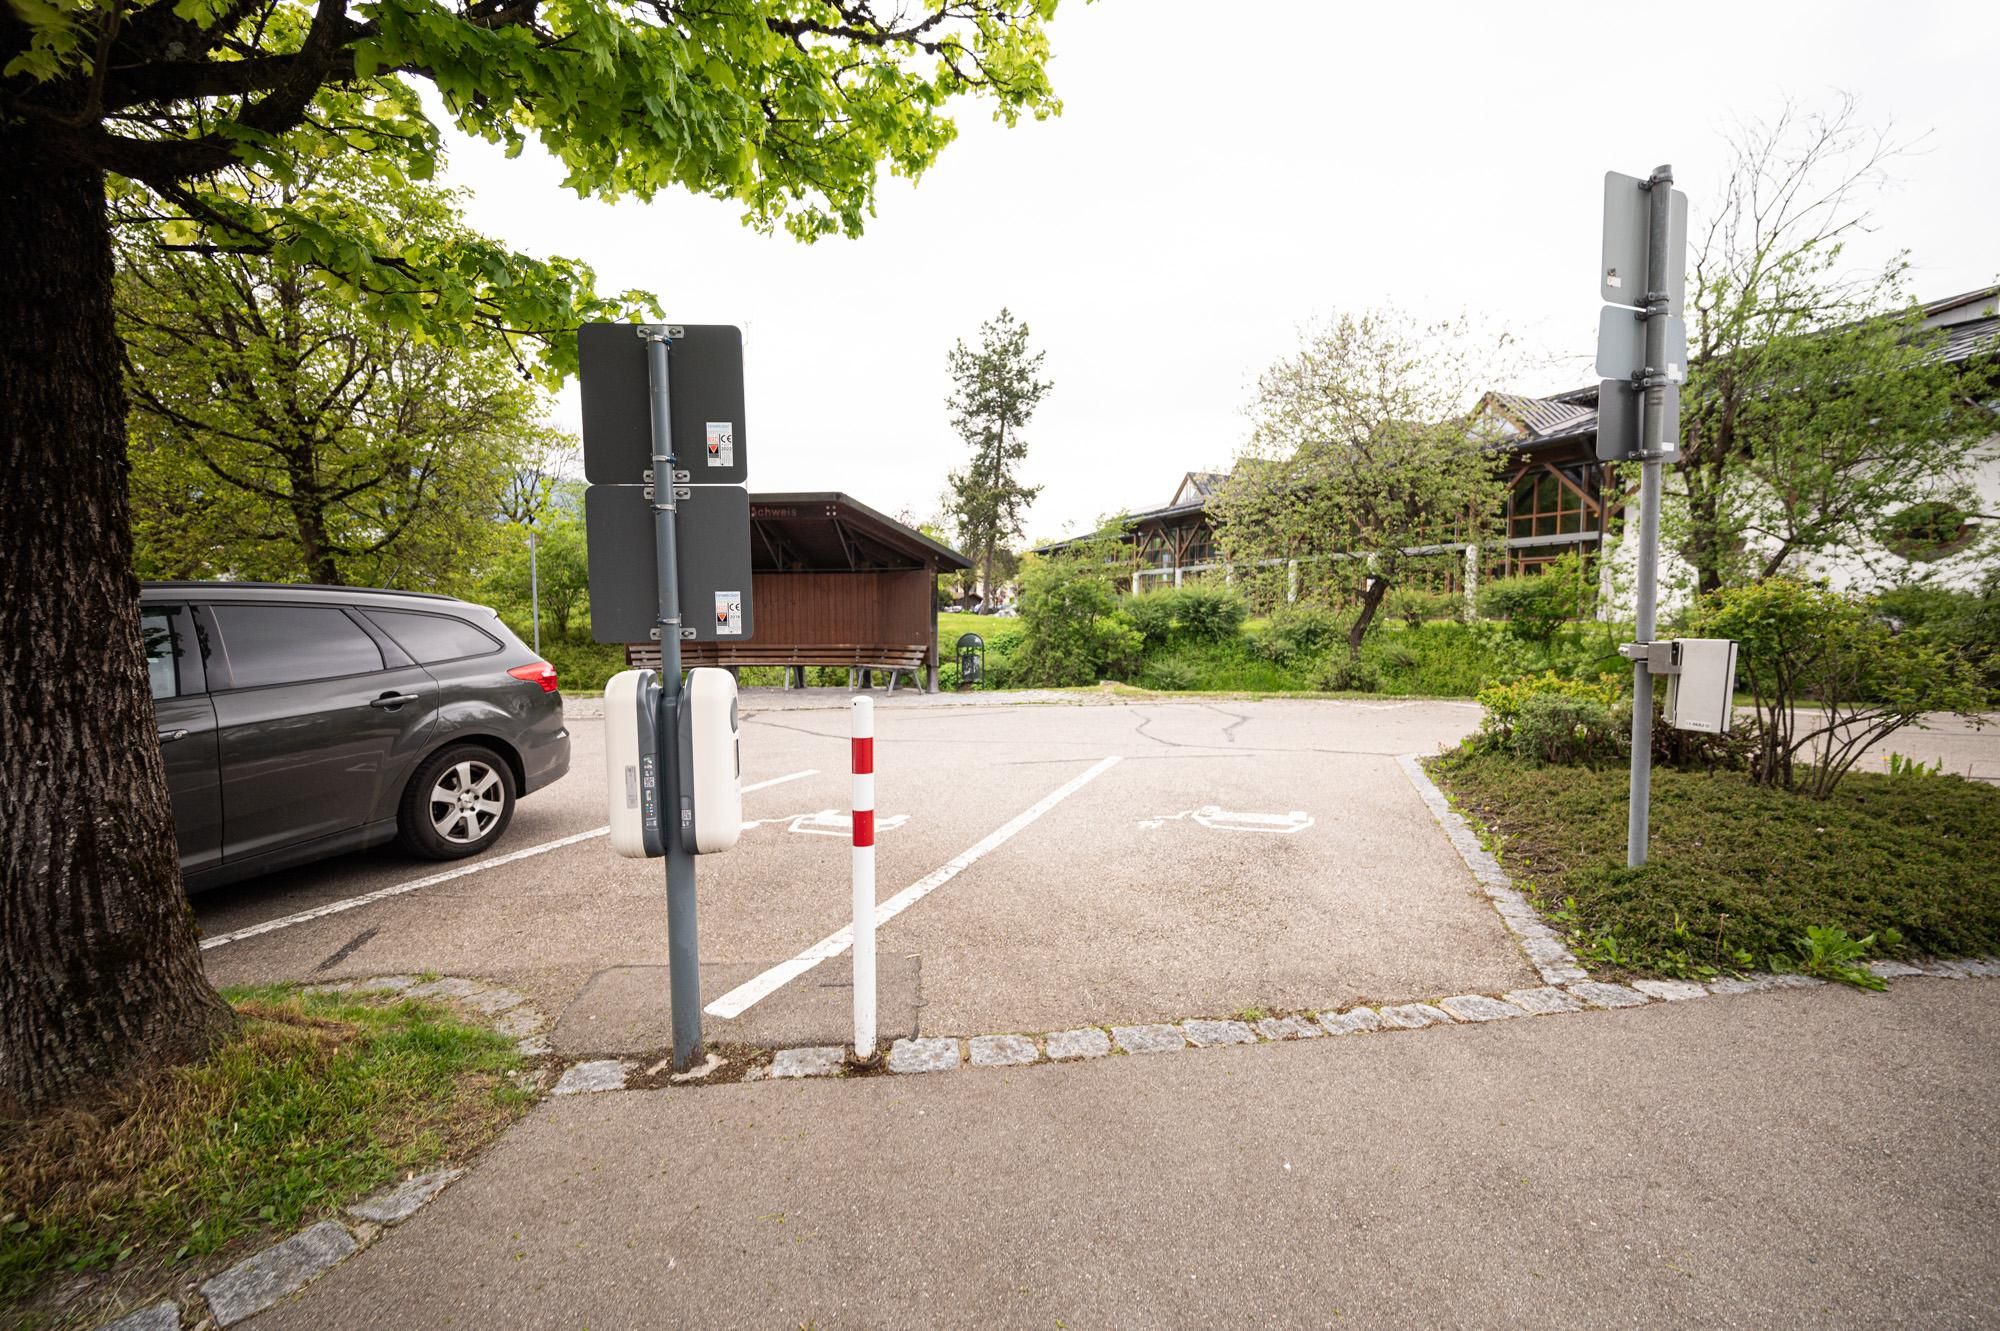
(212,584)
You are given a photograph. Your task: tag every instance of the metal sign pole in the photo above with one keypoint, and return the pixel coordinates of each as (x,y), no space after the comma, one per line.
(1652,442)
(534,594)
(683,949)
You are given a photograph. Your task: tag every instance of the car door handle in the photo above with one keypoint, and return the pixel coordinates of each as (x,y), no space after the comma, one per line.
(169,736)
(392,700)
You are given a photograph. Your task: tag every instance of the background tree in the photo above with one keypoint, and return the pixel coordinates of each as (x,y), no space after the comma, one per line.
(995,392)
(1815,403)
(1363,460)
(790,107)
(280,432)
(560,577)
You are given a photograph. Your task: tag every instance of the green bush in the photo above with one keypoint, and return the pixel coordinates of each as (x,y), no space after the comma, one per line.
(1507,702)
(1799,642)
(582,667)
(1072,632)
(1536,605)
(1170,674)
(1298,632)
(1415,606)
(1200,612)
(1966,621)
(1567,729)
(1449,660)
(1341,673)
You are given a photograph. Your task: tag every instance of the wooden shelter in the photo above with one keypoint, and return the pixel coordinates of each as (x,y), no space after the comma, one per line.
(834,584)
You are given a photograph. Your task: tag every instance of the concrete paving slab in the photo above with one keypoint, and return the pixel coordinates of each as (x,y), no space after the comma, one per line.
(1542,1001)
(394,1205)
(1667,1166)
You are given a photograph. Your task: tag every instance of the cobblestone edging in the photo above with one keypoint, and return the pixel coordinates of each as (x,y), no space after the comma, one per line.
(264,1277)
(285,1267)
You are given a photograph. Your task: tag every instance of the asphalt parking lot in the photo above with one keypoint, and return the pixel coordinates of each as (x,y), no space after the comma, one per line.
(1108,862)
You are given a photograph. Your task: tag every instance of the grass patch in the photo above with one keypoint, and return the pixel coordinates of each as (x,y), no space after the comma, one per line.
(1739,876)
(319,1100)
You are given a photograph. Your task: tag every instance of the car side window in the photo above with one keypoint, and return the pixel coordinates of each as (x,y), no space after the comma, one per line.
(159,633)
(288,644)
(433,638)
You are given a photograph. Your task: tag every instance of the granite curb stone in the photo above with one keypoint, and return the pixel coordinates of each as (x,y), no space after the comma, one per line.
(1478,1007)
(1152,1039)
(825,1060)
(1670,991)
(399,1203)
(1085,1042)
(602,1074)
(260,1280)
(1206,1034)
(1542,1002)
(994,1051)
(1289,1028)
(921,1055)
(1414,1016)
(1351,1021)
(153,1317)
(1598,994)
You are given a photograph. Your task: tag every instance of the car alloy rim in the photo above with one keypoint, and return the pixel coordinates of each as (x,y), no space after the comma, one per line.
(466,801)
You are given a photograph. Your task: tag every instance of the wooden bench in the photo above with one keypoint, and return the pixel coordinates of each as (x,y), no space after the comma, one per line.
(896,659)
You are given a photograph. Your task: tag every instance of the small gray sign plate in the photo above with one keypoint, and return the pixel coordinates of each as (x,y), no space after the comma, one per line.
(1621,276)
(1618,419)
(712,523)
(1621,344)
(705,377)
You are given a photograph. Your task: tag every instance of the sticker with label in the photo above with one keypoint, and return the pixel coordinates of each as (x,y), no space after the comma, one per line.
(1611,278)
(729,614)
(721,444)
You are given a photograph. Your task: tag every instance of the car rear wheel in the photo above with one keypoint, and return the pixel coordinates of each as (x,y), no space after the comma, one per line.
(458,803)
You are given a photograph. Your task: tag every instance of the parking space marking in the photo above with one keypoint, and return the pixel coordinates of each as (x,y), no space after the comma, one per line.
(746,995)
(383,894)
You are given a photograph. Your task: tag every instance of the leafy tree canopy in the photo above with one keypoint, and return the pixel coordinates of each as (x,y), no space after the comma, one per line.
(789,107)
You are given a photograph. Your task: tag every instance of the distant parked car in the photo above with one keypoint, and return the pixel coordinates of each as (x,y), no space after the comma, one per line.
(300,722)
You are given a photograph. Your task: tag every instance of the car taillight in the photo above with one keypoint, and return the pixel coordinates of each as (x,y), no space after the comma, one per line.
(541,672)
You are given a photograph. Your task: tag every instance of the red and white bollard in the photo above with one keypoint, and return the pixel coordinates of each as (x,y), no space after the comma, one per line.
(863,800)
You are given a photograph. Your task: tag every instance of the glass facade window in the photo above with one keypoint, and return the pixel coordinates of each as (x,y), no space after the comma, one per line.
(1541,505)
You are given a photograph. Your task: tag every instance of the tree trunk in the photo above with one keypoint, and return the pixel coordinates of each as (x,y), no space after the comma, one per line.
(100,969)
(1371,600)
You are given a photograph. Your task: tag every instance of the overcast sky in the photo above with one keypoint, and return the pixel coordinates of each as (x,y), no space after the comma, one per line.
(1224,174)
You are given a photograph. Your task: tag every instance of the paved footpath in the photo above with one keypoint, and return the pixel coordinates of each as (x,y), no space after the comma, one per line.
(1794,1158)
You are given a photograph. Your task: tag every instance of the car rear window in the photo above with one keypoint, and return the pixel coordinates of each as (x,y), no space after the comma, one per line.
(285,644)
(433,638)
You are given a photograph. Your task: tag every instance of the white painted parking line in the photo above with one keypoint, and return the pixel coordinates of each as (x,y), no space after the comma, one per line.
(746,995)
(480,866)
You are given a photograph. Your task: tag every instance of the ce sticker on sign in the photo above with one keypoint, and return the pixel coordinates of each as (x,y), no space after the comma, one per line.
(729,614)
(721,444)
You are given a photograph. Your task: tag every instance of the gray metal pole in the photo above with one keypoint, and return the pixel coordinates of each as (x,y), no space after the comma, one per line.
(683,947)
(534,594)
(1652,441)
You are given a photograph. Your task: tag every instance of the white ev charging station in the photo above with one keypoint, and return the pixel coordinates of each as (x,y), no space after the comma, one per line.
(710,818)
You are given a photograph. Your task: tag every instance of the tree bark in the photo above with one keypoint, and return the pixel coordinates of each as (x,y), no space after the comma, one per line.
(100,967)
(1372,593)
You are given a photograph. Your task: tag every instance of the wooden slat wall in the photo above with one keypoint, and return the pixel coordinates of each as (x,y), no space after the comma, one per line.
(802,609)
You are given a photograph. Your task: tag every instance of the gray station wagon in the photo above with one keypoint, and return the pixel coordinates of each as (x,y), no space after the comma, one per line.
(299,722)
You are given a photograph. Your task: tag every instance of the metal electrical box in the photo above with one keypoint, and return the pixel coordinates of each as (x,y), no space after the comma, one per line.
(711,762)
(633,783)
(1701,695)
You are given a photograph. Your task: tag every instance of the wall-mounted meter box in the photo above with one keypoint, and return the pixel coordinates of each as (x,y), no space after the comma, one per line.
(634,780)
(1701,694)
(711,762)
